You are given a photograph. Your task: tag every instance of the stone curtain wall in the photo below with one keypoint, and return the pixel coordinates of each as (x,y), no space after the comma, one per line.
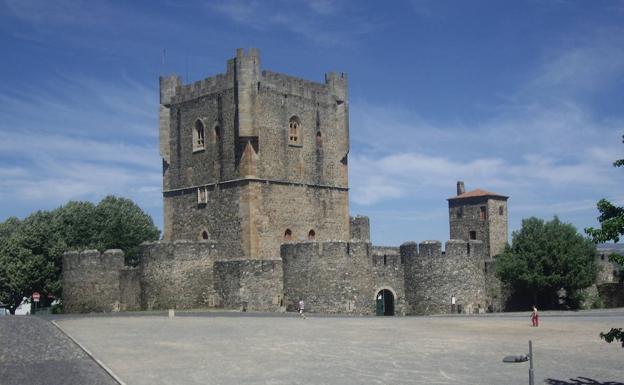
(435,276)
(177,275)
(331,277)
(91,281)
(389,273)
(254,285)
(612,294)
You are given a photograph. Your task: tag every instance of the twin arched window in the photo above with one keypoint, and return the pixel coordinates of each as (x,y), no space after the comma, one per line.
(198,135)
(294,125)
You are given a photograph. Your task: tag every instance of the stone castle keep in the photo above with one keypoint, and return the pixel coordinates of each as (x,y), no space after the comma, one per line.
(256,214)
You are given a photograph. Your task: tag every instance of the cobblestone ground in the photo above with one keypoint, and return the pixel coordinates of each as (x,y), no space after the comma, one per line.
(35,352)
(265,349)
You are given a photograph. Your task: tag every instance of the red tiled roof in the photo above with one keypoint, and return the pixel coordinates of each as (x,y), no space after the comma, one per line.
(478,193)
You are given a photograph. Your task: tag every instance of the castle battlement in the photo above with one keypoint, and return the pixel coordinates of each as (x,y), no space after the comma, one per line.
(112,259)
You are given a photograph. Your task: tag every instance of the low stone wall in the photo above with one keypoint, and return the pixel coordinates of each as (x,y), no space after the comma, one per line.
(612,294)
(91,281)
(254,285)
(178,275)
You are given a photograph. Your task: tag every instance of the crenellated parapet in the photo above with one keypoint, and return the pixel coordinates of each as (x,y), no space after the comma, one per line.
(93,281)
(434,277)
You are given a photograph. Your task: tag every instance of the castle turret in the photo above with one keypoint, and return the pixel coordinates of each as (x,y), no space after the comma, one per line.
(479,215)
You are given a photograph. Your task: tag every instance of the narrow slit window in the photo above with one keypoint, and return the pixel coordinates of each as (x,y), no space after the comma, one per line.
(287,235)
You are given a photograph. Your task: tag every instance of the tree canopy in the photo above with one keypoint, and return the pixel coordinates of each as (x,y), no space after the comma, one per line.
(545,257)
(31,250)
(611,229)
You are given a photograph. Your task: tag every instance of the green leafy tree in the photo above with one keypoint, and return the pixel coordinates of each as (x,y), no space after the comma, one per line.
(31,250)
(123,225)
(611,229)
(545,257)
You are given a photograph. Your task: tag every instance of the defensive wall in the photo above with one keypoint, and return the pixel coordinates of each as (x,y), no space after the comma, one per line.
(171,275)
(332,277)
(346,277)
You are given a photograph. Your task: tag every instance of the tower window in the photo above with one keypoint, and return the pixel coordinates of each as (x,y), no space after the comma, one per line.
(319,138)
(482,213)
(312,235)
(473,235)
(287,235)
(204,235)
(501,210)
(460,212)
(202,196)
(294,125)
(198,135)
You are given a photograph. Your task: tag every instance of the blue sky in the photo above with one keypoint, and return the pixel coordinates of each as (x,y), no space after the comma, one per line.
(521,98)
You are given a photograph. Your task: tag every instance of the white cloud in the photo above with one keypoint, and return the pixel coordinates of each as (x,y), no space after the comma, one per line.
(542,145)
(82,140)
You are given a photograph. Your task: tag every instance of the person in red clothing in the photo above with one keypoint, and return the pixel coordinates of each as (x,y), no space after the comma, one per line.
(534,317)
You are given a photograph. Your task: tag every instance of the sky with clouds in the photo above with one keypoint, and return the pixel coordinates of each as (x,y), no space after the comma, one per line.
(521,98)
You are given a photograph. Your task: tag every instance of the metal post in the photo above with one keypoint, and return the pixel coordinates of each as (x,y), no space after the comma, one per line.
(531,374)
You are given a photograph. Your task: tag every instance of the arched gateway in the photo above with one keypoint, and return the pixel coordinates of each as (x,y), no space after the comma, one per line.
(384,302)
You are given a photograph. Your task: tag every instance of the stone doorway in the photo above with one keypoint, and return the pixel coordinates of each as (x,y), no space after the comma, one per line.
(385,302)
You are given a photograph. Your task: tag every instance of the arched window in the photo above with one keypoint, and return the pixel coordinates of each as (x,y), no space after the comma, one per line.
(198,135)
(294,125)
(204,235)
(287,235)
(311,235)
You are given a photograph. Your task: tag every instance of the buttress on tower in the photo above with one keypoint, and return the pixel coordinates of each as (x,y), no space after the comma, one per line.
(254,158)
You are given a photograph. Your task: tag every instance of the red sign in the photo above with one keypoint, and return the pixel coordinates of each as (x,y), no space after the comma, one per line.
(36,296)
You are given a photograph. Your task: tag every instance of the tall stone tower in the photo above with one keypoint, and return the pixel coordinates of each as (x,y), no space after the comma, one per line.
(254,158)
(480,215)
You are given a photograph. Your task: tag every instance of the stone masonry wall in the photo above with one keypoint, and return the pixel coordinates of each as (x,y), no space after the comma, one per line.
(130,289)
(465,216)
(331,277)
(253,176)
(612,294)
(254,285)
(497,224)
(91,281)
(389,273)
(360,228)
(434,277)
(178,275)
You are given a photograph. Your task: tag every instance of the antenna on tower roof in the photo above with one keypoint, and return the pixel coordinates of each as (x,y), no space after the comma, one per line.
(163,60)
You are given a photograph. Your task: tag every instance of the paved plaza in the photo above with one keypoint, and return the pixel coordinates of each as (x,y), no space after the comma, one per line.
(35,352)
(234,348)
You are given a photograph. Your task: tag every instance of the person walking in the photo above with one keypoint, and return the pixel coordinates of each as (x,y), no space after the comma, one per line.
(534,317)
(301,308)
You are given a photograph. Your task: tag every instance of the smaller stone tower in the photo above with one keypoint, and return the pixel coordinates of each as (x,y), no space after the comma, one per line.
(479,215)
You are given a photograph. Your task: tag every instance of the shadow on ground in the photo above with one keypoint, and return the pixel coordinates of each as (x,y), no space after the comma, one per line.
(580,381)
